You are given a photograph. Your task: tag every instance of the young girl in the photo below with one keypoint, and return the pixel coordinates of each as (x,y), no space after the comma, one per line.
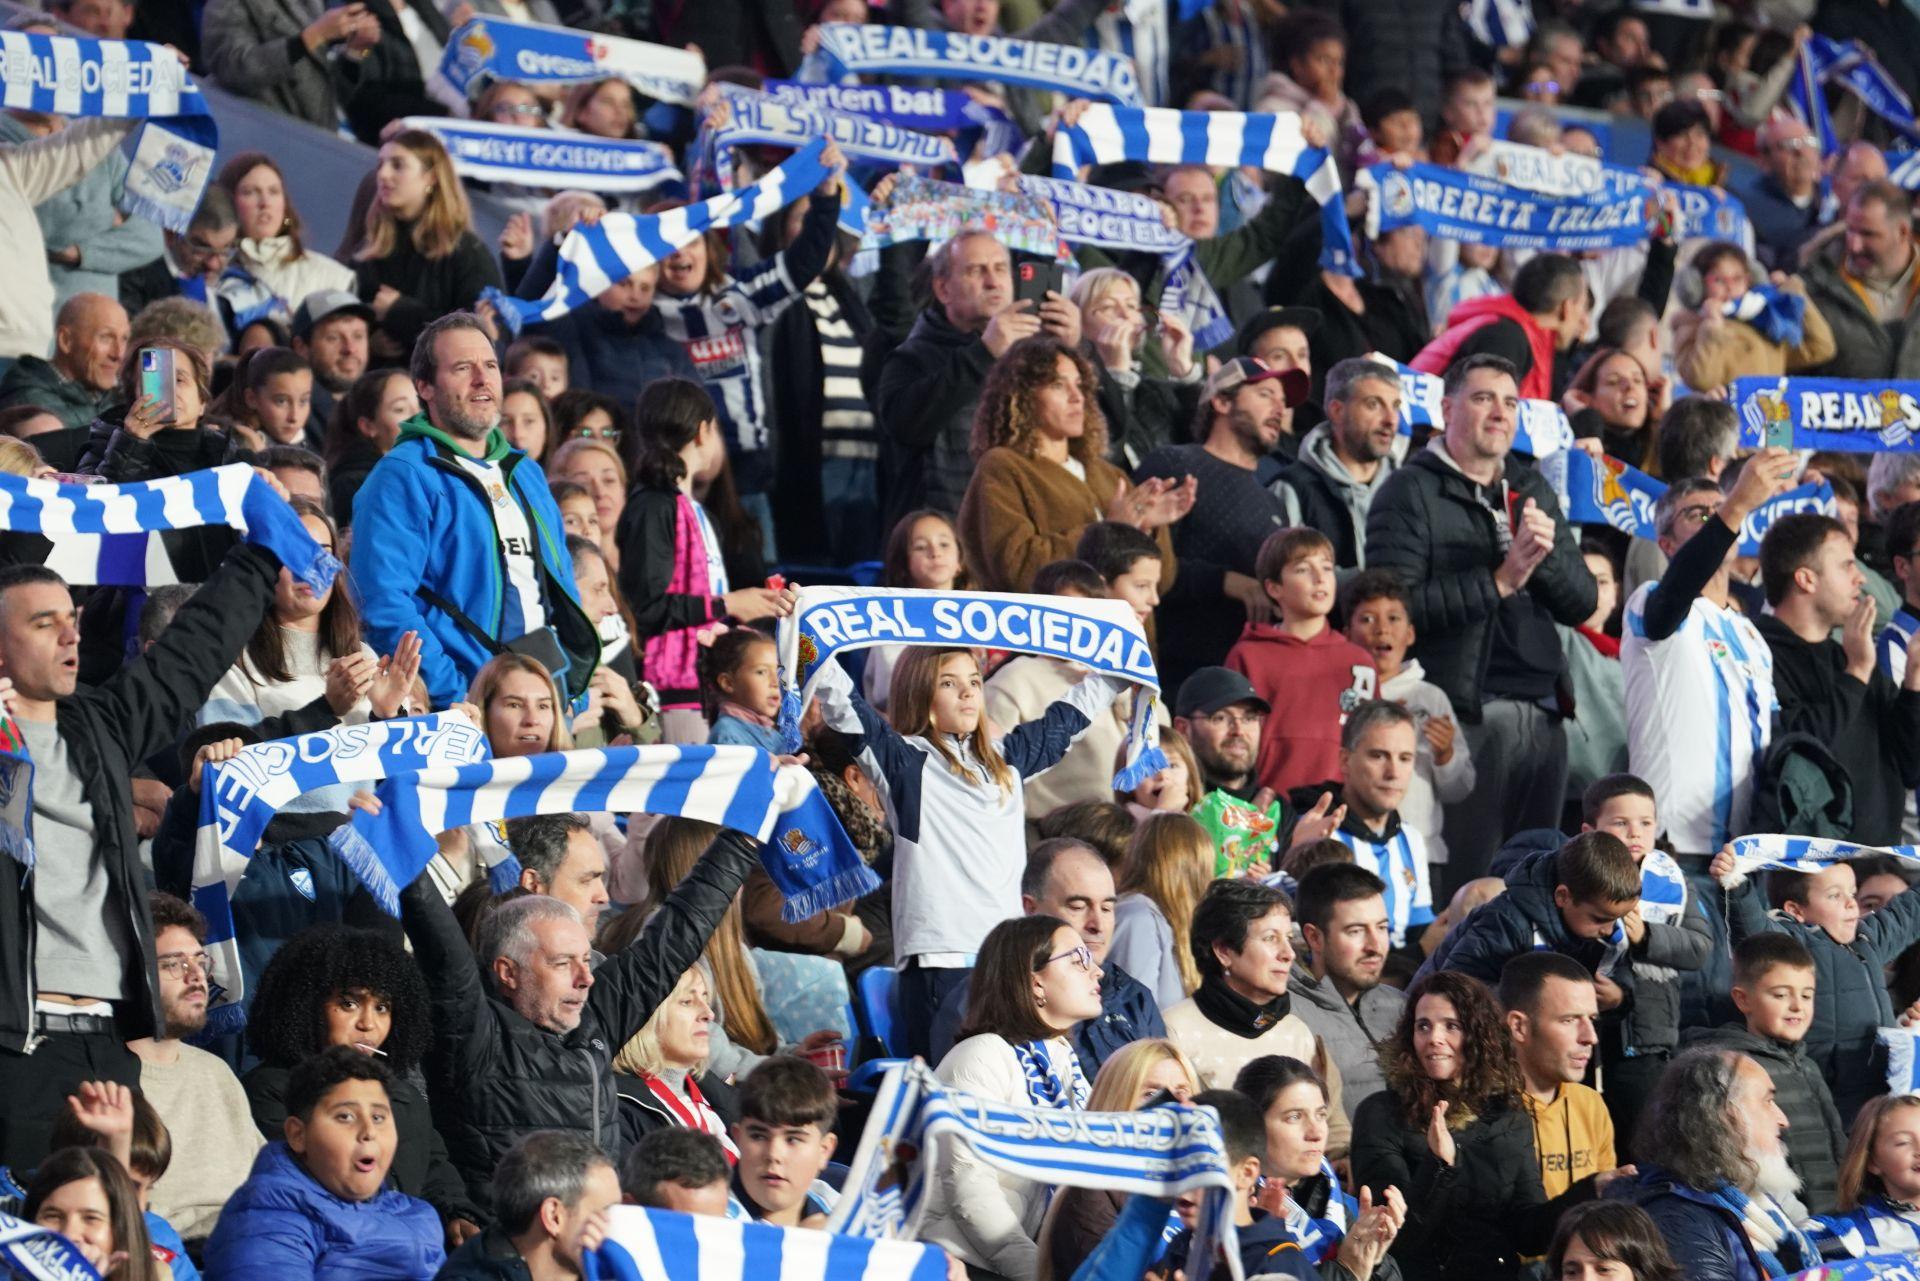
(922,551)
(526,417)
(365,423)
(684,544)
(578,512)
(1169,863)
(271,393)
(1171,790)
(595,466)
(1879,1193)
(955,798)
(740,688)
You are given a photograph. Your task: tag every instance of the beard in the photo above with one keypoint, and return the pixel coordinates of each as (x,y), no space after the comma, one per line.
(1776,1178)
(456,421)
(183,1021)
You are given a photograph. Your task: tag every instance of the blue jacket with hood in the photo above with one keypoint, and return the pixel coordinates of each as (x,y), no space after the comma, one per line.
(427,558)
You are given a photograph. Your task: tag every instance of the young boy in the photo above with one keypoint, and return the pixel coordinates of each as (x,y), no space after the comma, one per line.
(1571,900)
(785,1137)
(540,360)
(1128,561)
(1309,674)
(1467,115)
(681,1170)
(1850,959)
(1394,128)
(1243,1133)
(1380,621)
(1667,934)
(1774,988)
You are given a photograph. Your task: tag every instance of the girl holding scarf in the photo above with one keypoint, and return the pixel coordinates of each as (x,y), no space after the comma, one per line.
(1035,979)
(1744,329)
(1879,1196)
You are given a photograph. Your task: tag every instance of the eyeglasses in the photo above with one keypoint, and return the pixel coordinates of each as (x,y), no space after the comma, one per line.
(596,433)
(1233,719)
(176,964)
(1541,86)
(1694,515)
(1081,956)
(519,109)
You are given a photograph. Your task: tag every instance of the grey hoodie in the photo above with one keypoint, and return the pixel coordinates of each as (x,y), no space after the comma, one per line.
(1350,1032)
(1317,488)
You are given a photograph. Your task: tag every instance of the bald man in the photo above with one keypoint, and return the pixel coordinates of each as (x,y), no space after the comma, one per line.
(1855,167)
(1783,198)
(89,345)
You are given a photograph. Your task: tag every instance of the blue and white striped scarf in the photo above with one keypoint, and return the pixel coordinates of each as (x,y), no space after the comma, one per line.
(1156,1152)
(238,798)
(1804,854)
(1127,222)
(78,76)
(846,49)
(595,258)
(1543,429)
(1663,889)
(1102,635)
(41,1254)
(1501,24)
(1823,61)
(495,49)
(550,159)
(758,119)
(1045,1089)
(1775,314)
(1219,140)
(1876,1227)
(1319,1237)
(108,535)
(804,849)
(660,1245)
(927,209)
(1903,1059)
(1793,1251)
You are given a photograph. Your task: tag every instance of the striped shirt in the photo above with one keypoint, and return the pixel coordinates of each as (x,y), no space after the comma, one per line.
(716,329)
(1138,29)
(1890,651)
(1229,26)
(1400,860)
(846,422)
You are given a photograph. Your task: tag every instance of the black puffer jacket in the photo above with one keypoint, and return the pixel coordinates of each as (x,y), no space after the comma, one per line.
(495,1078)
(1815,1136)
(923,407)
(1429,525)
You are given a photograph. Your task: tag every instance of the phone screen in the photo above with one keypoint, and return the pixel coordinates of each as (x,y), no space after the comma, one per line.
(156,377)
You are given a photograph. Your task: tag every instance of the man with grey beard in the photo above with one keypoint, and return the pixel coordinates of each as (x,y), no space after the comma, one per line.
(455,537)
(1714,1174)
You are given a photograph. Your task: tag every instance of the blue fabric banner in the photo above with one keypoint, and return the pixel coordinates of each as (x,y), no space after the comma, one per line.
(1604,491)
(535,54)
(1852,415)
(756,119)
(847,49)
(79,77)
(1806,498)
(40,1254)
(1483,211)
(924,110)
(550,159)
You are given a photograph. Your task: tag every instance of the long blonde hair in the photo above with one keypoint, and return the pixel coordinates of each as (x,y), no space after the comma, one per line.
(672,849)
(1170,861)
(486,684)
(642,1055)
(446,217)
(910,710)
(1855,1184)
(1117,1088)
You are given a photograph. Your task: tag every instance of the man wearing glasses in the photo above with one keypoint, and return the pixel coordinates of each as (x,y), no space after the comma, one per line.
(1699,677)
(189,265)
(1783,199)
(1218,712)
(196,1094)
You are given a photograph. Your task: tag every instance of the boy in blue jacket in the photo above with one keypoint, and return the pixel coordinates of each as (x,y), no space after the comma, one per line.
(316,1204)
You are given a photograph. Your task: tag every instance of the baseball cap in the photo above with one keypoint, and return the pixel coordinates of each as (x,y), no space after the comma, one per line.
(1209,689)
(322,303)
(1242,370)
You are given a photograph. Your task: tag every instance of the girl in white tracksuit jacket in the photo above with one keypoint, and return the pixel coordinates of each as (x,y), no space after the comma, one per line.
(954,798)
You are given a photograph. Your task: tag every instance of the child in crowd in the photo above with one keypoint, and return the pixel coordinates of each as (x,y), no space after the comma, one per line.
(1879,1193)
(1394,129)
(1850,956)
(316,1203)
(1380,621)
(577,510)
(271,393)
(1167,791)
(539,360)
(1309,674)
(121,1121)
(923,552)
(1773,988)
(785,1137)
(954,790)
(1128,561)
(1667,935)
(740,688)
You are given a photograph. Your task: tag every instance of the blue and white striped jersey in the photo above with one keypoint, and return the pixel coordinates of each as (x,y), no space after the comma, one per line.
(1401,861)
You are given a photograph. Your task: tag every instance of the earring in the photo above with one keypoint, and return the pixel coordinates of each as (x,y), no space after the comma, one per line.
(1040,1001)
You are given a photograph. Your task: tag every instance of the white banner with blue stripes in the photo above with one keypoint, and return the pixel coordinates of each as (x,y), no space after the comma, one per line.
(847,49)
(660,1245)
(1219,140)
(1156,1152)
(1501,24)
(595,258)
(1767,852)
(550,159)
(1903,1059)
(109,535)
(41,1254)
(239,797)
(803,847)
(81,77)
(758,119)
(530,52)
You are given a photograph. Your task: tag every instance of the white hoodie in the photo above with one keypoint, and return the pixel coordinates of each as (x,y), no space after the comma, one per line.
(1432,785)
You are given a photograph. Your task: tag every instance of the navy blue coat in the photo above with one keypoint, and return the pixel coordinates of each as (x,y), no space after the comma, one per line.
(612,357)
(1704,1238)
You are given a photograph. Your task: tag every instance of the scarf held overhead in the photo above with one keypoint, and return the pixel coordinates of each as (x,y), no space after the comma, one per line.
(1485,211)
(927,209)
(1847,414)
(549,159)
(1604,491)
(846,49)
(595,258)
(803,847)
(1543,428)
(496,49)
(758,119)
(915,107)
(1217,139)
(1103,635)
(660,1245)
(1155,1152)
(239,797)
(122,80)
(107,535)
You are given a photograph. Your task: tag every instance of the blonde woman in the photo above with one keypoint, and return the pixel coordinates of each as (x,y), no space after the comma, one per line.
(1143,412)
(1080,1217)
(1168,865)
(664,1072)
(596,467)
(420,258)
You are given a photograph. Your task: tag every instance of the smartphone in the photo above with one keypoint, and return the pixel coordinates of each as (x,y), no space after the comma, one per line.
(156,377)
(1035,278)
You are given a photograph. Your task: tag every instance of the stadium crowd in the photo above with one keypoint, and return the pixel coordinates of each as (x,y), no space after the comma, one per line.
(1437,901)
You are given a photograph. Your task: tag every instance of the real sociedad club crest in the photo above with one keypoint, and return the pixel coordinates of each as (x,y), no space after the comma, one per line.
(1396,195)
(1894,428)
(476,49)
(1612,497)
(175,169)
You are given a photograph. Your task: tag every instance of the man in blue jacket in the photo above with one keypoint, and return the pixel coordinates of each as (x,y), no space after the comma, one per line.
(456,537)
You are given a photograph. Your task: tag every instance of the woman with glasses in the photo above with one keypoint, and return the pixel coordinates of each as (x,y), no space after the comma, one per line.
(511,105)
(1035,978)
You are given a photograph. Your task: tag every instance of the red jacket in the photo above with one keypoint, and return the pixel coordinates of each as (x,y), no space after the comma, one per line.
(1312,685)
(1476,314)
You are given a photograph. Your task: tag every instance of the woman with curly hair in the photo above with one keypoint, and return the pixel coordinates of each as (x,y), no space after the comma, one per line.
(337,985)
(1450,1132)
(1041,474)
